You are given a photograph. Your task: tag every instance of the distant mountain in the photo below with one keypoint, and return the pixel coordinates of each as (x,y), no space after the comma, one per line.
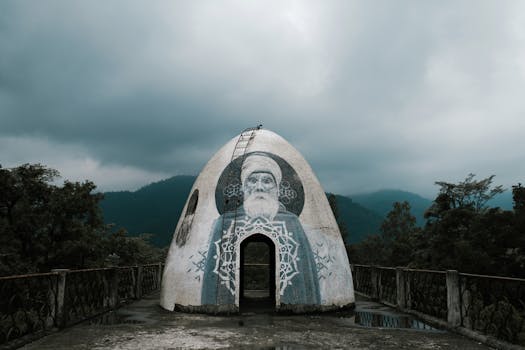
(503,200)
(358,220)
(156,208)
(381,202)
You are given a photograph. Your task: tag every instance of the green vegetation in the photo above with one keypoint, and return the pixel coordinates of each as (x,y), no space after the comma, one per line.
(155,208)
(381,202)
(462,232)
(45,226)
(355,222)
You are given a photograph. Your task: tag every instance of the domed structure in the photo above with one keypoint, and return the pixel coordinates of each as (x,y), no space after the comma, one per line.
(257,226)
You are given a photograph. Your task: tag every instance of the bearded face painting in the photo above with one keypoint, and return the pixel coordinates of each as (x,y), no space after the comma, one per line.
(257,229)
(260,194)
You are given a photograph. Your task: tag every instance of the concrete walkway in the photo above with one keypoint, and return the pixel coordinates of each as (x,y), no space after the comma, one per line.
(144,325)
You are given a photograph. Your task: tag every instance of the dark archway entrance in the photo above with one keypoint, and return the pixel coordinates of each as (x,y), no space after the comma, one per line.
(257,274)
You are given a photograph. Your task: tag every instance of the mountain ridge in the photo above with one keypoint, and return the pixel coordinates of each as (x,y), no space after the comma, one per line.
(155,208)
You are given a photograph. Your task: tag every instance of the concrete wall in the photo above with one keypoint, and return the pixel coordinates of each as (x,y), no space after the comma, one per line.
(313,273)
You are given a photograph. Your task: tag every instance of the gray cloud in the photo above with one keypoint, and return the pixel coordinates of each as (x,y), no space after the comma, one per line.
(374,94)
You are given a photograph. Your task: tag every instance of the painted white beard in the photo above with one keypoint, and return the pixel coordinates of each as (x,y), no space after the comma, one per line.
(267,207)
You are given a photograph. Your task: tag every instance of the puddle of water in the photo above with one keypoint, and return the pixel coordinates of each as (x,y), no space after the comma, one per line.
(373,319)
(112,317)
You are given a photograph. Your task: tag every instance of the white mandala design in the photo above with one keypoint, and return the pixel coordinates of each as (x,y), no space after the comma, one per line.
(225,266)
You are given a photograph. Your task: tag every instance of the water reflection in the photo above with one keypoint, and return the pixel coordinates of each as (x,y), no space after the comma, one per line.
(112,318)
(373,319)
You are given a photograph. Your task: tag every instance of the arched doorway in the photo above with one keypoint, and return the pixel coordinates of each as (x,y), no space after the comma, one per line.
(257,274)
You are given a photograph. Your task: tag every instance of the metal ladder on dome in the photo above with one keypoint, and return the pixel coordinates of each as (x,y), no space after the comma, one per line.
(243,142)
(246,136)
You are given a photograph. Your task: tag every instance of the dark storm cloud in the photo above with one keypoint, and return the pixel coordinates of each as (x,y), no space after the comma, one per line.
(73,82)
(375,95)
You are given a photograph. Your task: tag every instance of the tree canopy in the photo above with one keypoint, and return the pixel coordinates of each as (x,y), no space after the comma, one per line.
(462,233)
(45,226)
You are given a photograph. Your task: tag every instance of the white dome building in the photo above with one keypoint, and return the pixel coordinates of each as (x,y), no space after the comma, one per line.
(257,226)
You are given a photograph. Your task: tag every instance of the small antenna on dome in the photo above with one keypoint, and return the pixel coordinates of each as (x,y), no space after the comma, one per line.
(259,127)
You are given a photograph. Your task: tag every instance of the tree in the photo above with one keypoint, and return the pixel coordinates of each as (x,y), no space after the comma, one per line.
(24,216)
(125,251)
(468,194)
(398,232)
(395,245)
(369,251)
(516,253)
(463,233)
(518,196)
(45,226)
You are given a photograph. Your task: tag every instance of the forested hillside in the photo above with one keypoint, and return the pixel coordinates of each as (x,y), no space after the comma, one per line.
(153,209)
(463,232)
(381,202)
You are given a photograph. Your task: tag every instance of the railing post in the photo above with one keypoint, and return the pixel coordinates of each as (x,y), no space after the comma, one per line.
(400,288)
(374,275)
(138,281)
(159,276)
(408,288)
(113,288)
(453,299)
(354,277)
(61,311)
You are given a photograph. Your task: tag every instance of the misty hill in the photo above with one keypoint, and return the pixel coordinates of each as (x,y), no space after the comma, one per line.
(381,202)
(156,208)
(358,220)
(503,200)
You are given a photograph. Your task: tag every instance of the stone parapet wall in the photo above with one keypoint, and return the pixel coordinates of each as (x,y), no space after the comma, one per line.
(488,308)
(32,305)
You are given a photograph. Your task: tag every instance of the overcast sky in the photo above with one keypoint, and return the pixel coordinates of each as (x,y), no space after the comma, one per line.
(375,94)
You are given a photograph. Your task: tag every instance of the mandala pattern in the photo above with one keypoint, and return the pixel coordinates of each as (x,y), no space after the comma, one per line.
(286,193)
(225,266)
(198,264)
(232,190)
(323,262)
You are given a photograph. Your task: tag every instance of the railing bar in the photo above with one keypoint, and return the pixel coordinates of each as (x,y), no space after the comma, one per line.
(29,275)
(393,268)
(90,270)
(427,271)
(493,277)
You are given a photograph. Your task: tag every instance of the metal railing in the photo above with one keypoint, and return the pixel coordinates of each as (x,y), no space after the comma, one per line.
(32,305)
(488,308)
(494,306)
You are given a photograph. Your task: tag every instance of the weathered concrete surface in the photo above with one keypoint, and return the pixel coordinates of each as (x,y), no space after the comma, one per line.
(145,325)
(203,265)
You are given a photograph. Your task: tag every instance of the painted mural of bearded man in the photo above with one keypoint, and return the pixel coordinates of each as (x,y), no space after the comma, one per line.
(260,213)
